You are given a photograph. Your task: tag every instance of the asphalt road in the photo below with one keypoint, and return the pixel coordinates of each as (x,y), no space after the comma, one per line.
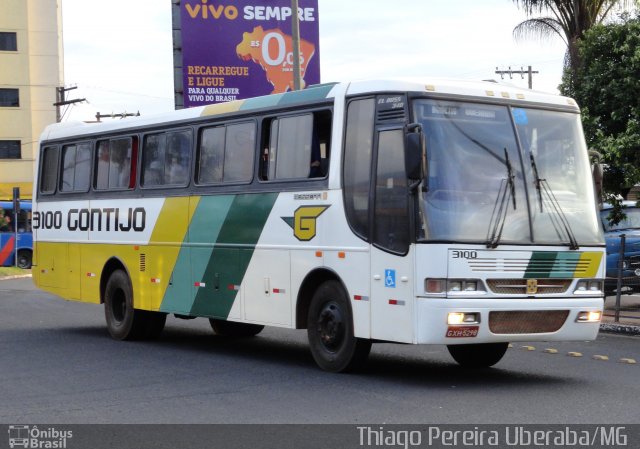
(59,366)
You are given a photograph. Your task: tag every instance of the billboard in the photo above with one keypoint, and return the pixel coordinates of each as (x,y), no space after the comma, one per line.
(243,48)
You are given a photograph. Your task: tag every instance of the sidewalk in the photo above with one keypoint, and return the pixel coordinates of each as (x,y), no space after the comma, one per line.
(629,317)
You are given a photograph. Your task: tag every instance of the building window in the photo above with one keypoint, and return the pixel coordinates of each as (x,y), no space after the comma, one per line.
(9,98)
(10,149)
(8,41)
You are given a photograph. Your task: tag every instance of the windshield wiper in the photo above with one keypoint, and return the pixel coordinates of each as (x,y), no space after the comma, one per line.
(546,194)
(506,194)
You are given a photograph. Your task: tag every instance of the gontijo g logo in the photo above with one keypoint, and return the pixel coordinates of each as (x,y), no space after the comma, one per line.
(304,221)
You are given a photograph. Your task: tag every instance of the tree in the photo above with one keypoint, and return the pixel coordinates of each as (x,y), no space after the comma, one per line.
(568,19)
(607,87)
(3,220)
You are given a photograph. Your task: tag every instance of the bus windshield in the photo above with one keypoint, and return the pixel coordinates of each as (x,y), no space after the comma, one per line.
(483,159)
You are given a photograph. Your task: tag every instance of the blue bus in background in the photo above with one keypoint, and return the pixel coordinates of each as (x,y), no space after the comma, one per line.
(8,245)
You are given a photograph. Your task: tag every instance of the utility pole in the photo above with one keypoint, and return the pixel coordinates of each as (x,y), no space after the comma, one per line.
(112,115)
(520,72)
(60,100)
(295,31)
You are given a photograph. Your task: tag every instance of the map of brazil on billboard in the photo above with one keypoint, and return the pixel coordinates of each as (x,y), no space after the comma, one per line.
(240,49)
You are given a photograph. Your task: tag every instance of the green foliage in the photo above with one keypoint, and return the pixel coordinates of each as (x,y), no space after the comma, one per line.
(3,220)
(568,19)
(607,87)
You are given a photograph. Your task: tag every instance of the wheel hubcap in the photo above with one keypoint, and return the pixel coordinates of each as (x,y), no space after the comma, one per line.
(331,326)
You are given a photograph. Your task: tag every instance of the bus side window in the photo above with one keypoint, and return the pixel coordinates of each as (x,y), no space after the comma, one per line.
(113,164)
(211,155)
(178,161)
(153,160)
(239,152)
(76,167)
(296,147)
(49,170)
(166,159)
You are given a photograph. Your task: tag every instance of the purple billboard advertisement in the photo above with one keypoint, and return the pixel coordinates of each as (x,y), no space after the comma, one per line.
(242,48)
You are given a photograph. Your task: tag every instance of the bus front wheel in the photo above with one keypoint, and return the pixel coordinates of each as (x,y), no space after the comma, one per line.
(330,331)
(123,321)
(233,329)
(479,355)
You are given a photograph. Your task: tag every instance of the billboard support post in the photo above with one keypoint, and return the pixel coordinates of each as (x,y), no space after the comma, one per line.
(295,31)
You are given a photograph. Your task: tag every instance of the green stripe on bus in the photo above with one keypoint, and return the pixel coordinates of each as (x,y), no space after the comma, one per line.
(232,253)
(541,264)
(312,93)
(565,265)
(195,253)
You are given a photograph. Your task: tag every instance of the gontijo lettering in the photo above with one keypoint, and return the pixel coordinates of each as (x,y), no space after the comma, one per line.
(103,219)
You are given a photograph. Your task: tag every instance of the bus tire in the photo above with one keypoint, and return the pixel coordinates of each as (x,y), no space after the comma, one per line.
(24,259)
(123,321)
(479,355)
(330,331)
(232,329)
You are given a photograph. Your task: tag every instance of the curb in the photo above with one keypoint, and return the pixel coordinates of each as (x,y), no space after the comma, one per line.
(616,328)
(17,276)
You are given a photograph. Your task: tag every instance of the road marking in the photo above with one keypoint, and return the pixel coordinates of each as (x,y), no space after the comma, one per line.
(604,358)
(628,361)
(529,348)
(551,351)
(574,354)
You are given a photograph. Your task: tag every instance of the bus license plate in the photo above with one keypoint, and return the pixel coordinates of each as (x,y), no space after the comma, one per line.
(462,331)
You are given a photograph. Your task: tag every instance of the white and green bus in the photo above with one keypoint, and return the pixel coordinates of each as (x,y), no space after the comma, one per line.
(455,213)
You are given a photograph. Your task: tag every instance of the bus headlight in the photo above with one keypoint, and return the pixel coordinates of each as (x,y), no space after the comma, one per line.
(593,316)
(457,318)
(462,286)
(588,287)
(453,286)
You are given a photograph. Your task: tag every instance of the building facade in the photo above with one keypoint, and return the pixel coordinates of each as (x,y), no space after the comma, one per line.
(31,68)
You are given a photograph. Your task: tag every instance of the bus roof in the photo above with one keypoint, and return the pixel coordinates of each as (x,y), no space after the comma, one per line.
(473,89)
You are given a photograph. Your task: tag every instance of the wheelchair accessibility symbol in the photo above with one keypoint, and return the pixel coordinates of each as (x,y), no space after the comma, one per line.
(390,278)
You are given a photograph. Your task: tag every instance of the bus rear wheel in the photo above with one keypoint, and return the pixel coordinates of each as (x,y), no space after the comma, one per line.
(232,329)
(123,321)
(478,356)
(330,331)
(24,259)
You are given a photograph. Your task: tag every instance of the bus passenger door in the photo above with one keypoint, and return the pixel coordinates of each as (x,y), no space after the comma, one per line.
(391,258)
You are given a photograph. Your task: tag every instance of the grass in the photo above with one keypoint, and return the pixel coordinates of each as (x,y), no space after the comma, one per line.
(12,271)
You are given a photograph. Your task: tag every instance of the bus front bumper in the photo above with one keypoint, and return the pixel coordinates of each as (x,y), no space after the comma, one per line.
(467,320)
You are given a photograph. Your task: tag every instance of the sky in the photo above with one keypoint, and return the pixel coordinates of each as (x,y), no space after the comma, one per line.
(119,52)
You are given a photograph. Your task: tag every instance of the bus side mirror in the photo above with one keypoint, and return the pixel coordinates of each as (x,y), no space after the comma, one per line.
(414,152)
